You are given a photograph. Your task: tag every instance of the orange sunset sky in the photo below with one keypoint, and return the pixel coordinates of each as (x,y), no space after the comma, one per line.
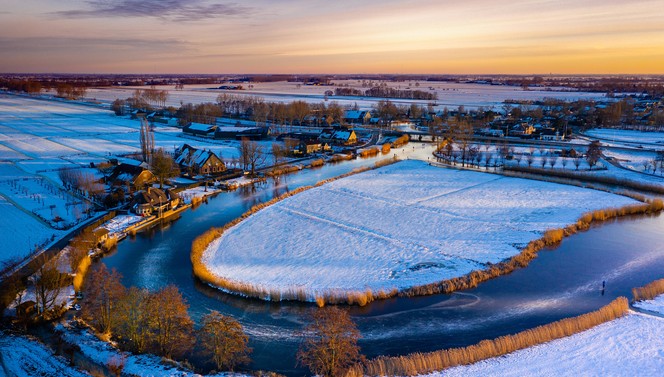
(297,36)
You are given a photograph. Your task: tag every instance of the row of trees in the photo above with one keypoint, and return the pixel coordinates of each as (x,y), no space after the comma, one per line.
(80,181)
(158,322)
(462,151)
(69,91)
(387,92)
(142,99)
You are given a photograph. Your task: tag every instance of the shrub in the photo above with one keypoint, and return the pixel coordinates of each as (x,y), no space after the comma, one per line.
(317,163)
(286,169)
(401,141)
(649,291)
(369,152)
(385,149)
(423,363)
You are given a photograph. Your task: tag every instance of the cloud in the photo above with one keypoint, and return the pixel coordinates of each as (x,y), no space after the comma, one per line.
(81,44)
(171,10)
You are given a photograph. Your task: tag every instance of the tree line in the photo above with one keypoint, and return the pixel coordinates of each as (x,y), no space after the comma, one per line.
(158,322)
(387,92)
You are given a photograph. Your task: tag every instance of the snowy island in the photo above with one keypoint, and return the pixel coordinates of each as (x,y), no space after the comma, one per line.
(401,226)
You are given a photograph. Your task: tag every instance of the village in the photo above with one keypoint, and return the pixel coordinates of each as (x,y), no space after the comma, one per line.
(85,182)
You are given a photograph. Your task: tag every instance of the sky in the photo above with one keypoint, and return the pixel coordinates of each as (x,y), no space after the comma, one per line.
(312,36)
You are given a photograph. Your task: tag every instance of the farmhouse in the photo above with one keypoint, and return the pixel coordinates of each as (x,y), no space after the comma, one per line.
(100,235)
(154,200)
(199,129)
(357,117)
(342,136)
(237,133)
(551,134)
(311,146)
(134,177)
(198,161)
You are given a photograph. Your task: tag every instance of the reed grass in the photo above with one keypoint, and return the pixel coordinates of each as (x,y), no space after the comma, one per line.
(286,169)
(649,291)
(385,149)
(369,152)
(423,363)
(528,253)
(340,157)
(401,141)
(317,163)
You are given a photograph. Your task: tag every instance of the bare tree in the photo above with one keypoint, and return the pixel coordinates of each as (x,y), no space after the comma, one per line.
(172,328)
(103,291)
(593,153)
(330,345)
(163,167)
(224,340)
(147,141)
(279,153)
(133,317)
(460,132)
(79,247)
(577,161)
(48,282)
(251,155)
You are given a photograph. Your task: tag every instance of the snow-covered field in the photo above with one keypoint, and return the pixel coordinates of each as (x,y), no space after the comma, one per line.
(400,226)
(629,346)
(449,94)
(628,136)
(22,233)
(21,356)
(655,305)
(38,137)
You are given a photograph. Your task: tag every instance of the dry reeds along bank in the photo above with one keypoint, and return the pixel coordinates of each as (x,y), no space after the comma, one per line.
(528,253)
(341,157)
(283,170)
(401,141)
(369,152)
(317,163)
(649,291)
(421,363)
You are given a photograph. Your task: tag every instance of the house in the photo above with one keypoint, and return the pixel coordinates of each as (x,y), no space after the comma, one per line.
(551,134)
(311,146)
(135,177)
(198,161)
(340,136)
(100,235)
(357,117)
(237,133)
(522,129)
(200,129)
(26,308)
(154,201)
